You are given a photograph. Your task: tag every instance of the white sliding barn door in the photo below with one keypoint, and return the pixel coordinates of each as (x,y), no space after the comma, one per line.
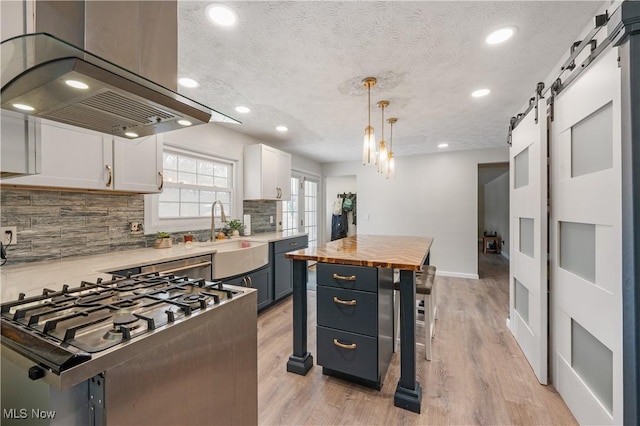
(586,243)
(528,225)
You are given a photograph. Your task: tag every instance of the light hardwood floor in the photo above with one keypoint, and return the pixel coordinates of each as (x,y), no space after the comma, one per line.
(478,374)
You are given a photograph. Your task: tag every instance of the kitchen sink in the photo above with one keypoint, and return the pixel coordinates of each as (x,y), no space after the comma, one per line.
(235,257)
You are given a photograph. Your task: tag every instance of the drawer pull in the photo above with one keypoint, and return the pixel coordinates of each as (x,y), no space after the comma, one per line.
(293,244)
(343,346)
(342,277)
(344,302)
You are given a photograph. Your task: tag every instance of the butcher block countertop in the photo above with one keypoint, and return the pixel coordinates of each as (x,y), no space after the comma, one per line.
(382,251)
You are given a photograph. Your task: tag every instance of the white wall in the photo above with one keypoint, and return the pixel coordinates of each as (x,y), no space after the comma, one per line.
(432,195)
(335,185)
(496,209)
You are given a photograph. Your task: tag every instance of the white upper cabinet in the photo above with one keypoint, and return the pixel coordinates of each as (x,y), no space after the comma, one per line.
(137,164)
(84,159)
(267,173)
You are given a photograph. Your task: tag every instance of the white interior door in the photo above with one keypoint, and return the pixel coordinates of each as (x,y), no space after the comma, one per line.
(528,239)
(586,244)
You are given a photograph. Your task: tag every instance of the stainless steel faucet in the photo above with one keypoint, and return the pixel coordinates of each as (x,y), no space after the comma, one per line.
(223,218)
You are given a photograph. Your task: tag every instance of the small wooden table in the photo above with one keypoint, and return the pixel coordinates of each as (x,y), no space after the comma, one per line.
(377,251)
(497,244)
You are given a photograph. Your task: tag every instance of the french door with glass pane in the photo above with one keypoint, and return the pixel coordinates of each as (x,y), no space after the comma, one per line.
(301,212)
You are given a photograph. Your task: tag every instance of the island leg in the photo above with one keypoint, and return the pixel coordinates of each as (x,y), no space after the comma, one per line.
(301,361)
(409,392)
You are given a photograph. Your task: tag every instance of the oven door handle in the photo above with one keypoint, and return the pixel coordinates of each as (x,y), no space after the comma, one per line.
(186,268)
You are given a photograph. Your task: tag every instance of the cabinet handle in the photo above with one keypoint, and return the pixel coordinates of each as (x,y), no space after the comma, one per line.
(342,277)
(344,302)
(244,282)
(161,181)
(343,346)
(279,193)
(110,178)
(293,244)
(250,281)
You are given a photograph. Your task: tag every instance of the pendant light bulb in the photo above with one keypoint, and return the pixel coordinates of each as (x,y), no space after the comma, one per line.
(382,150)
(369,143)
(391,166)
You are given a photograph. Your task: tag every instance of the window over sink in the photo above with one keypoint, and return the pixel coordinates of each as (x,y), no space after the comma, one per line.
(192,182)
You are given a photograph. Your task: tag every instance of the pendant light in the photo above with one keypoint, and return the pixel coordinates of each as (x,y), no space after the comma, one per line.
(369,144)
(391,166)
(382,149)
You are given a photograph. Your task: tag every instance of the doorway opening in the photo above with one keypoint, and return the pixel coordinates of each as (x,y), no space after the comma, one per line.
(493,209)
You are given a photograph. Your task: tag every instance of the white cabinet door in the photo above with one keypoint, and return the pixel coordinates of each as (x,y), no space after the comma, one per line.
(283,176)
(138,164)
(528,242)
(72,158)
(269,173)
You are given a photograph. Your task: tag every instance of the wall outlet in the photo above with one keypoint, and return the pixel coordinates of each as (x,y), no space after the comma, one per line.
(271,220)
(9,234)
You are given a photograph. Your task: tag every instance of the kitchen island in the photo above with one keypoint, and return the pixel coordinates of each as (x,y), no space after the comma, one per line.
(407,254)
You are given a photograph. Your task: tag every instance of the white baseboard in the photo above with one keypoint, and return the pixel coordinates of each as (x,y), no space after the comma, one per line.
(505,254)
(457,275)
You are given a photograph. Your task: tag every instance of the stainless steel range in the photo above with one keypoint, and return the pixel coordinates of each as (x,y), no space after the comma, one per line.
(122,351)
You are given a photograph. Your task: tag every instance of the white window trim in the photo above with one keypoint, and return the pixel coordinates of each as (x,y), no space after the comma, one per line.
(154,223)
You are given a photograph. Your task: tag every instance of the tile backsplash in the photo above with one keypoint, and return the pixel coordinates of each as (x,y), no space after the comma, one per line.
(55,224)
(261,212)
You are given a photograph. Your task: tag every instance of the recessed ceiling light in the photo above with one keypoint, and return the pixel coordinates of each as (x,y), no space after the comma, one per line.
(221,14)
(243,109)
(23,107)
(131,134)
(282,128)
(184,122)
(501,35)
(443,145)
(188,82)
(77,84)
(480,93)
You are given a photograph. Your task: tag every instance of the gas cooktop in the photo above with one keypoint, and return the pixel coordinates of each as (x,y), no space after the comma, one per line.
(98,316)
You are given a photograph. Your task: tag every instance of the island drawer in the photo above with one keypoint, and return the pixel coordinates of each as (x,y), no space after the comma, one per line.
(348,277)
(348,353)
(290,244)
(348,310)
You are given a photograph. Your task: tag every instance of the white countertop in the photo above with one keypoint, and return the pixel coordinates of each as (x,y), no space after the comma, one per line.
(31,278)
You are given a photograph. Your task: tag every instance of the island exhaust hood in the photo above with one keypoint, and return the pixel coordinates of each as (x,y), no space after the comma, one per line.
(46,77)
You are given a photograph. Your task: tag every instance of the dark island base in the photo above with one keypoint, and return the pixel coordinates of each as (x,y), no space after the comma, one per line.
(300,365)
(368,383)
(408,399)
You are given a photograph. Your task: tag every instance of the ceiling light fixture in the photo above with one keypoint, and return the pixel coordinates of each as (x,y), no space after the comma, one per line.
(76,84)
(221,14)
(382,148)
(443,145)
(23,107)
(480,93)
(131,134)
(243,109)
(369,144)
(501,35)
(188,82)
(391,166)
(282,128)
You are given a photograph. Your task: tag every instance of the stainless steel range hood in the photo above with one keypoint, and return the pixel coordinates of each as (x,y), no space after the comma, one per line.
(64,83)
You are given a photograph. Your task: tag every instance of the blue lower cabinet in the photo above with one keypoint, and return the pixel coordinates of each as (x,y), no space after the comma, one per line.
(283,267)
(258,279)
(355,322)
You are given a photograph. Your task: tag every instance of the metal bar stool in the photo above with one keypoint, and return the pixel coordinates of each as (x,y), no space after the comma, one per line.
(426,295)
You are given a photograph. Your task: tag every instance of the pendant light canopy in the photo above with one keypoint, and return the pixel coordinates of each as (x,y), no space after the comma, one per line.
(382,149)
(369,144)
(391,165)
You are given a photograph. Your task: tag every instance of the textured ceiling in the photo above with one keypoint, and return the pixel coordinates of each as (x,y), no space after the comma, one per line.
(300,64)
